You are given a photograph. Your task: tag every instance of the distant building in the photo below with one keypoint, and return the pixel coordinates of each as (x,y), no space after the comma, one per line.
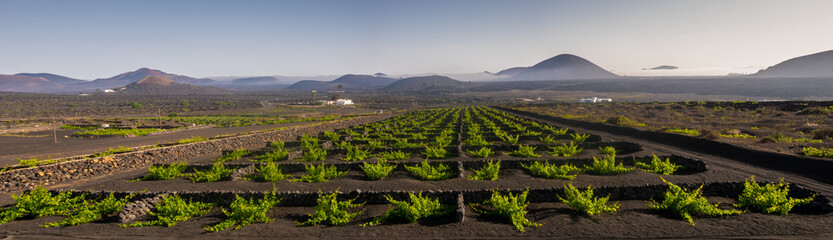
(109,90)
(339,102)
(595,100)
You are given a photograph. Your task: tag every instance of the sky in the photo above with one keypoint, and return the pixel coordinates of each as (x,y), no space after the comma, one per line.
(90,39)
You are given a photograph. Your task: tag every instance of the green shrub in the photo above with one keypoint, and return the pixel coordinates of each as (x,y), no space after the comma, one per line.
(818,152)
(356,154)
(343,145)
(608,150)
(232,156)
(606,166)
(119,132)
(277,145)
(393,156)
(481,153)
(565,150)
(511,207)
(134,105)
(271,172)
(217,172)
(585,202)
(530,133)
(403,143)
(685,131)
(192,140)
(624,121)
(163,172)
(246,211)
(510,139)
(314,154)
(73,127)
(658,166)
(551,171)
(488,172)
(377,171)
(476,140)
(39,202)
(273,156)
(780,137)
(35,162)
(548,140)
(430,173)
(560,131)
(92,211)
(333,136)
(375,144)
(738,135)
(319,173)
(173,209)
(331,211)
(441,141)
(685,205)
(579,137)
(414,209)
(770,198)
(435,152)
(308,142)
(525,151)
(112,151)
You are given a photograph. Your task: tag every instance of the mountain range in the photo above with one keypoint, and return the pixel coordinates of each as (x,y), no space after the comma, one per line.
(558,68)
(165,86)
(817,65)
(348,81)
(561,67)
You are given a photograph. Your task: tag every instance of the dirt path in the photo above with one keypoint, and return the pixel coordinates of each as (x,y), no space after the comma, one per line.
(12,148)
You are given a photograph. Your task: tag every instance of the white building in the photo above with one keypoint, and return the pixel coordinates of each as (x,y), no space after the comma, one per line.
(595,100)
(339,102)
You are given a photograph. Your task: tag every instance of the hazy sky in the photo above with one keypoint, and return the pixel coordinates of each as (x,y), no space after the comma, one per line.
(92,39)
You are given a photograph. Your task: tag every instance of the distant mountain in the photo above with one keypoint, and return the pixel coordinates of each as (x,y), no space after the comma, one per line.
(429,83)
(511,71)
(54,78)
(817,65)
(564,67)
(130,77)
(348,81)
(156,85)
(21,83)
(256,81)
(662,67)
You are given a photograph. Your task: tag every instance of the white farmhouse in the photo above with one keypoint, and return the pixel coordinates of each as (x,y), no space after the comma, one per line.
(339,102)
(595,100)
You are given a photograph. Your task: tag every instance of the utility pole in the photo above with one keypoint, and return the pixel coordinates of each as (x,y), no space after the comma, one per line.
(54,131)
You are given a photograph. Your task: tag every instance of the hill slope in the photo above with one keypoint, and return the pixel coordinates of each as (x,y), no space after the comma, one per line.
(511,71)
(54,78)
(130,77)
(349,81)
(428,83)
(564,67)
(20,83)
(815,65)
(155,85)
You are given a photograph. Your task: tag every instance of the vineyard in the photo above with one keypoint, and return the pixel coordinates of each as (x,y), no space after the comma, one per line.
(492,173)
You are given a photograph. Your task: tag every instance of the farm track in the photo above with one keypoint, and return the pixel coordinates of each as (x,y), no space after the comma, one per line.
(710,157)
